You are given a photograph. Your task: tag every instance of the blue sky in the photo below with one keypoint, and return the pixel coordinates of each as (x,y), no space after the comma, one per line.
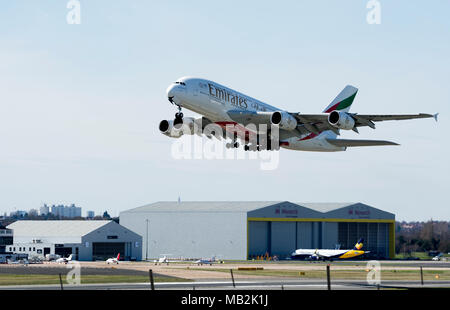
(80,104)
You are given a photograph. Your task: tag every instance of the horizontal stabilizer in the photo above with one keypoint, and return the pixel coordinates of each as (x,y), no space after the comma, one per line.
(350,143)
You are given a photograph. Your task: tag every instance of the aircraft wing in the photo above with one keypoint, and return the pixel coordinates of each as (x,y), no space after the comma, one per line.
(315,123)
(351,142)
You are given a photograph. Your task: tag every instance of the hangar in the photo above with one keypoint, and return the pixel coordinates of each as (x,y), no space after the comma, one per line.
(244,230)
(86,240)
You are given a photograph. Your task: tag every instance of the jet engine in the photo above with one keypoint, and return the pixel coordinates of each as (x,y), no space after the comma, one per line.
(175,131)
(284,120)
(341,120)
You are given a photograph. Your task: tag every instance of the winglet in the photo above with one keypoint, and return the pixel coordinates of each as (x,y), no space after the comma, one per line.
(436,116)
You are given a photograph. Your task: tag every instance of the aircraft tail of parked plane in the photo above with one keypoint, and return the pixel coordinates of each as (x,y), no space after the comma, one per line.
(113,260)
(64,260)
(358,246)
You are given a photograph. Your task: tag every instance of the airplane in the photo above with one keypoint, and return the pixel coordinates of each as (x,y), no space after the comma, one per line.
(162,260)
(208,261)
(63,260)
(233,115)
(113,260)
(330,254)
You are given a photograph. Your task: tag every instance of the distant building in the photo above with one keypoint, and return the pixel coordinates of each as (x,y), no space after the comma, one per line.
(18,213)
(66,211)
(90,214)
(44,210)
(33,212)
(86,240)
(57,210)
(6,238)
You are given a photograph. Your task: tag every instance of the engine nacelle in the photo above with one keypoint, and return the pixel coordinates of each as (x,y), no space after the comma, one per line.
(341,120)
(284,120)
(175,131)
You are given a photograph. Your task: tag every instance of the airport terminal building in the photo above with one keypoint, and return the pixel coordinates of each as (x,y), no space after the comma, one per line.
(245,230)
(86,240)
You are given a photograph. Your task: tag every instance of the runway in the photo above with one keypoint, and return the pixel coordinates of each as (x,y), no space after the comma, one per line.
(286,275)
(242,285)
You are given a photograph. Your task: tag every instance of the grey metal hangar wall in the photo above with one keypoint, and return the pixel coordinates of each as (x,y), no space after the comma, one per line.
(190,229)
(244,230)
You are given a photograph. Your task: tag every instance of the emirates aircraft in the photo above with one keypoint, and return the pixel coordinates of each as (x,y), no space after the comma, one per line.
(229,114)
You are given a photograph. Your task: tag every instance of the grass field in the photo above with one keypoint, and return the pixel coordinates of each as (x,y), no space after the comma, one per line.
(341,274)
(421,255)
(37,279)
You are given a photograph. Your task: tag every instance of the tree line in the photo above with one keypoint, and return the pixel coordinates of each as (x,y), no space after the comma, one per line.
(422,237)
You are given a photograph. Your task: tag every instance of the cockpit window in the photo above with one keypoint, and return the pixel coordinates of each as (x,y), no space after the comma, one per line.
(181,83)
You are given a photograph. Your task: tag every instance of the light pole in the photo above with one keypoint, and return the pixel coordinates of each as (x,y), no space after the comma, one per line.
(146,247)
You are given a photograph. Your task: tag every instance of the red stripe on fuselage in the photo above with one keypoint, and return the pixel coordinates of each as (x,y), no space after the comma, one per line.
(242,132)
(308,137)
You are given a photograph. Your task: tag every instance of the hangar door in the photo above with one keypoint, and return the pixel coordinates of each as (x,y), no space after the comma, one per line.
(63,251)
(105,250)
(376,237)
(273,238)
(258,239)
(283,239)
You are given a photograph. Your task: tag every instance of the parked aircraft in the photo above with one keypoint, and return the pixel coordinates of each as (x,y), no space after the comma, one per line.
(162,260)
(208,261)
(64,260)
(113,260)
(239,117)
(317,254)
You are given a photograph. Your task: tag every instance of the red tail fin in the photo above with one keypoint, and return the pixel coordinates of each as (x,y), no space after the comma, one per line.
(118,256)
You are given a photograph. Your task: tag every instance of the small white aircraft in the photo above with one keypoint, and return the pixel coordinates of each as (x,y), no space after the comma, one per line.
(208,261)
(330,254)
(113,260)
(162,260)
(64,260)
(229,114)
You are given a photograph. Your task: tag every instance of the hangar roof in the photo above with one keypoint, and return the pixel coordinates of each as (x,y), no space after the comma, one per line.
(269,209)
(203,206)
(325,206)
(60,228)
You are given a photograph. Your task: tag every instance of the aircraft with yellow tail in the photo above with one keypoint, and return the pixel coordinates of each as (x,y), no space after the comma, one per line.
(330,254)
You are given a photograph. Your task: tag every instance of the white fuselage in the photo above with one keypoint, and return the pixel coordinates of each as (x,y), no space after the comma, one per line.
(213,101)
(318,253)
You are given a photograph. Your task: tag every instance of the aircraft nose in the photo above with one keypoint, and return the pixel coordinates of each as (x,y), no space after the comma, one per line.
(171,90)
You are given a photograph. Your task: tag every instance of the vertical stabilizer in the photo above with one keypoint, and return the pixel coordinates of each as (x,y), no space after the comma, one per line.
(359,245)
(343,101)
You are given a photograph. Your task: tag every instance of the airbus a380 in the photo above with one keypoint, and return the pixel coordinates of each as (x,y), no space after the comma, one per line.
(240,116)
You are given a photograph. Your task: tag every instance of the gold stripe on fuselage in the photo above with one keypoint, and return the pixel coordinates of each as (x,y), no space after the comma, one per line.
(351,253)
